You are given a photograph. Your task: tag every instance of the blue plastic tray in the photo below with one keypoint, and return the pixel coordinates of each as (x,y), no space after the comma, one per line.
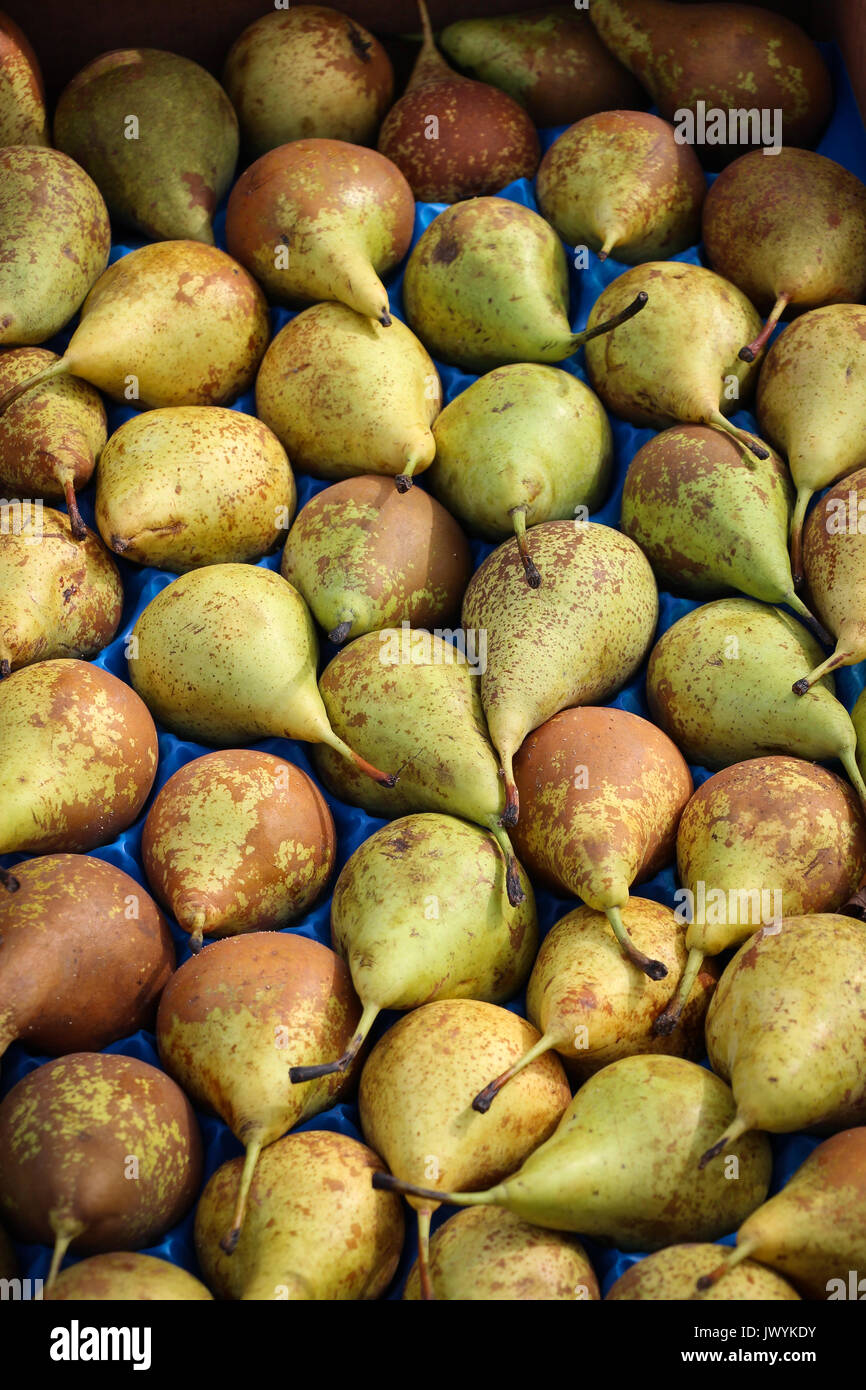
(844,141)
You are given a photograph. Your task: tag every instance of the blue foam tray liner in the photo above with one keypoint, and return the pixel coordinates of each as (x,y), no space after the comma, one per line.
(845,141)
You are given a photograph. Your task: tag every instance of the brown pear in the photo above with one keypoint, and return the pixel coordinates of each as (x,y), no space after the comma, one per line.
(127,1277)
(22,97)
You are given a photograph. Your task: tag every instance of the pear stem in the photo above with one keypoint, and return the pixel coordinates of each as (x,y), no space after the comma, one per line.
(831,664)
(76,521)
(513,885)
(855,906)
(486,1097)
(518,517)
(739,1125)
(56,369)
(386,1182)
(607,245)
(9,881)
(670,1016)
(804,496)
(385,779)
(736,1257)
(232,1236)
(424,1215)
(811,622)
(65,1229)
(512,798)
(297,1075)
(403,481)
(751,350)
(715,417)
(654,968)
(848,760)
(196,930)
(5,664)
(338,634)
(623,316)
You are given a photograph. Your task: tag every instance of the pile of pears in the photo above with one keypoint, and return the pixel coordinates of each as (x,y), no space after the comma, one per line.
(431,774)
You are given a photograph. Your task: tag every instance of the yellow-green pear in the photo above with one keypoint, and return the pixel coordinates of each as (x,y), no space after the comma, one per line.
(834,563)
(346,395)
(419,913)
(193,485)
(671,1275)
(524,444)
(227,654)
(127,1277)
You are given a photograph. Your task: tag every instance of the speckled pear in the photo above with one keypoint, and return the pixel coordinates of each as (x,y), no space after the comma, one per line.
(834,563)
(22,96)
(128,1277)
(671,1274)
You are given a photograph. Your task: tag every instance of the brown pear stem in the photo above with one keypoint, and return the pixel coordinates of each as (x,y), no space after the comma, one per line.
(668,1019)
(855,906)
(196,928)
(76,521)
(338,634)
(751,350)
(623,316)
(55,369)
(513,886)
(5,667)
(298,1075)
(424,1215)
(385,779)
(518,516)
(386,1182)
(737,1255)
(809,620)
(804,496)
(715,417)
(486,1097)
(511,812)
(831,664)
(9,881)
(385,319)
(403,481)
(232,1236)
(656,969)
(739,1125)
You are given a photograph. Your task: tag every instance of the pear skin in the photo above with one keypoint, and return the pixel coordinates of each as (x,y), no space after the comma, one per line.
(834,563)
(231,1021)
(127,1277)
(315,1228)
(22,96)
(484,1254)
(59,596)
(574,640)
(671,1274)
(602,792)
(346,396)
(79,757)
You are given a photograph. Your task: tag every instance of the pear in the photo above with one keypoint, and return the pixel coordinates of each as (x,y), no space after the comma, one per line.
(341,215)
(834,563)
(346,396)
(237,841)
(814,1230)
(315,1228)
(719,682)
(525,444)
(52,436)
(766,838)
(58,596)
(232,1019)
(85,955)
(621,1165)
(307,71)
(79,757)
(487,283)
(127,1278)
(592,1004)
(415,1099)
(765,227)
(56,238)
(419,913)
(193,485)
(574,640)
(22,96)
(550,60)
(173,323)
(98,1152)
(487,1255)
(454,138)
(413,699)
(603,791)
(365,558)
(620,182)
(646,374)
(226,654)
(724,56)
(670,1275)
(709,522)
(165,173)
(785,1076)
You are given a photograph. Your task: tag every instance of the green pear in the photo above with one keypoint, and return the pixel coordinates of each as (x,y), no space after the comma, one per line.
(158,136)
(603,791)
(193,485)
(420,913)
(593,1005)
(340,215)
(51,437)
(173,323)
(484,1254)
(811,403)
(346,396)
(234,1016)
(415,1100)
(79,757)
(834,563)
(487,283)
(814,1230)
(622,1166)
(671,1274)
(413,699)
(766,838)
(22,96)
(315,1227)
(56,237)
(785,1027)
(719,682)
(620,182)
(127,1278)
(58,596)
(574,640)
(525,444)
(365,558)
(227,654)
(709,522)
(679,361)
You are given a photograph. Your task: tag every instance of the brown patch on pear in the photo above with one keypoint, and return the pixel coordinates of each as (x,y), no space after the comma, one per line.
(22,96)
(127,1277)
